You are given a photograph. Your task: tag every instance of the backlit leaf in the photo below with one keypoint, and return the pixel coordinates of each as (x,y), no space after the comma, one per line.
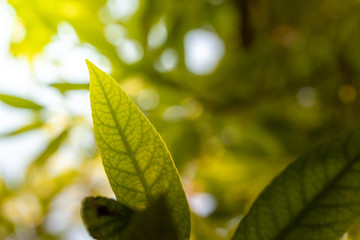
(315,198)
(19,102)
(135,158)
(105,218)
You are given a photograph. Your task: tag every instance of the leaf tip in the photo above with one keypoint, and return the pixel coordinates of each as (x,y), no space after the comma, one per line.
(89,64)
(92,70)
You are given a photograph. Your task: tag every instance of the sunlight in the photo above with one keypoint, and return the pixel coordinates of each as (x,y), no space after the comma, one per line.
(203,51)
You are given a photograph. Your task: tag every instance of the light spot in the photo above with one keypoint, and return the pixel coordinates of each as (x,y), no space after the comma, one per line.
(63,58)
(203,51)
(104,15)
(222,232)
(65,159)
(18,32)
(174,113)
(203,204)
(115,33)
(132,85)
(64,209)
(130,51)
(148,99)
(347,93)
(306,97)
(24,209)
(66,33)
(234,222)
(157,35)
(122,10)
(13,166)
(345,236)
(77,231)
(78,103)
(7,16)
(168,60)
(75,60)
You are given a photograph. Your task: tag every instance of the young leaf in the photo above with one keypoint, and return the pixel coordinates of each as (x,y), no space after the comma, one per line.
(64,87)
(316,198)
(153,223)
(105,218)
(135,158)
(19,102)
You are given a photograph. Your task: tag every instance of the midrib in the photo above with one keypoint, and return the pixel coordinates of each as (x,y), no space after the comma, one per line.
(288,228)
(127,146)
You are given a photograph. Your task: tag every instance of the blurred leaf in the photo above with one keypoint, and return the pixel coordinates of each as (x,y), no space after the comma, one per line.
(51,148)
(316,197)
(204,228)
(41,19)
(19,102)
(153,223)
(64,87)
(135,158)
(182,136)
(105,218)
(23,129)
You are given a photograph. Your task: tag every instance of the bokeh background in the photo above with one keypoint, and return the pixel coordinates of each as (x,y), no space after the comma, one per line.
(237,88)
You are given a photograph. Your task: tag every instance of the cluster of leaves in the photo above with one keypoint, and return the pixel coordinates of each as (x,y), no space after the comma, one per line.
(136,160)
(241,124)
(316,197)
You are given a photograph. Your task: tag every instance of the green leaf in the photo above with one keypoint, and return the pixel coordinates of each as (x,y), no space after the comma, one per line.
(153,223)
(51,148)
(105,218)
(23,129)
(64,87)
(109,219)
(135,158)
(316,197)
(19,102)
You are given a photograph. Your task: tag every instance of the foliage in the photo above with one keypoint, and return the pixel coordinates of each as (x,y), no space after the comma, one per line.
(109,219)
(287,78)
(314,198)
(136,160)
(19,102)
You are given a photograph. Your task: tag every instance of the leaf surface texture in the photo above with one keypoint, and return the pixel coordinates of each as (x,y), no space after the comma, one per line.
(315,198)
(136,160)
